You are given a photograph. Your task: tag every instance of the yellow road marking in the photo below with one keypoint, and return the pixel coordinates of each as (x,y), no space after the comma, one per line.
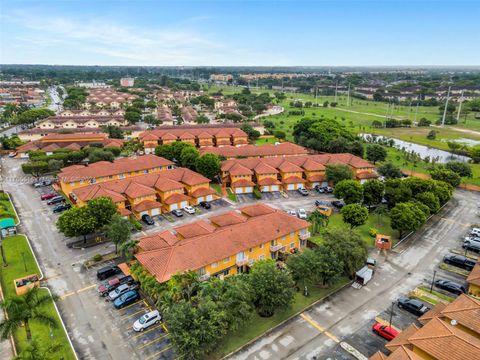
(135,313)
(86,288)
(145,332)
(158,353)
(164,327)
(135,303)
(319,328)
(77,291)
(146,304)
(385,322)
(153,341)
(67,295)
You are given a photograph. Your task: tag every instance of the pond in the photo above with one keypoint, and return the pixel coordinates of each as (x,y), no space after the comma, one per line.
(422,150)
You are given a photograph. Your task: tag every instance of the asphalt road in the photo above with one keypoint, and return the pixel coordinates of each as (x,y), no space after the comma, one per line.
(317,333)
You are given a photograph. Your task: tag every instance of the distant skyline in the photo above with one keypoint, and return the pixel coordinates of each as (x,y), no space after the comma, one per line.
(236,33)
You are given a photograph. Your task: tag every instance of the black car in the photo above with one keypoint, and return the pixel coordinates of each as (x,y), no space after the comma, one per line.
(472,246)
(205,205)
(108,271)
(61,207)
(56,200)
(338,204)
(177,213)
(413,306)
(147,219)
(319,189)
(450,286)
(459,261)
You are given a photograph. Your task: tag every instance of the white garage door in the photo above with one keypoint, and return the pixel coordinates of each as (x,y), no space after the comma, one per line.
(200,199)
(183,204)
(144,213)
(275,188)
(209,197)
(239,190)
(315,184)
(291,187)
(300,186)
(155,212)
(173,207)
(325,183)
(249,189)
(265,189)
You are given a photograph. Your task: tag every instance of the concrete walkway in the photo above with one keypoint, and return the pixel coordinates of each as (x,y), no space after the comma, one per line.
(6,348)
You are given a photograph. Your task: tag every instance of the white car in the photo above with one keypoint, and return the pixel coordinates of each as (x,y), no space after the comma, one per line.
(302,214)
(292,212)
(147,320)
(471,240)
(189,209)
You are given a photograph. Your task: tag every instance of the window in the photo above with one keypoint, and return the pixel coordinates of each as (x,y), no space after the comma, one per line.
(292,245)
(72,183)
(110,177)
(121,176)
(226,272)
(303,231)
(284,237)
(201,271)
(291,234)
(261,246)
(81,182)
(303,243)
(145,171)
(250,250)
(273,242)
(261,257)
(226,260)
(214,265)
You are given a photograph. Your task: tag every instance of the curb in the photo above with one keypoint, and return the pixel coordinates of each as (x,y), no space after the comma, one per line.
(284,321)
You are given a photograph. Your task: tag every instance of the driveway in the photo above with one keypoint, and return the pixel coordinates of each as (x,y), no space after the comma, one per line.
(317,333)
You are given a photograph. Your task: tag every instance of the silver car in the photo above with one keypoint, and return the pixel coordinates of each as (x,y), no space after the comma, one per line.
(147,320)
(122,289)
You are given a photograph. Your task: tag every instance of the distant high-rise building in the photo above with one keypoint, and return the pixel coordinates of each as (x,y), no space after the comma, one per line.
(127,82)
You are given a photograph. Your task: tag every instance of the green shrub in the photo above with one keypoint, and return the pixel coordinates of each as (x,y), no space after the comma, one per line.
(136,224)
(257,193)
(372,232)
(97,257)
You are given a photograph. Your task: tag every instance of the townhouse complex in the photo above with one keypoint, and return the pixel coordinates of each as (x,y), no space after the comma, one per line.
(289,173)
(108,98)
(473,281)
(75,141)
(142,185)
(447,332)
(267,150)
(226,244)
(189,114)
(206,135)
(21,92)
(73,119)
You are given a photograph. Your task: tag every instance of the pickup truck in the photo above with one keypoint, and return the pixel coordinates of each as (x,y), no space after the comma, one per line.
(119,291)
(107,286)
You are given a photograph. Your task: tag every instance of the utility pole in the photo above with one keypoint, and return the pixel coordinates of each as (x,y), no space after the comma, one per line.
(348,96)
(316,95)
(336,89)
(446,105)
(391,314)
(460,101)
(433,280)
(416,112)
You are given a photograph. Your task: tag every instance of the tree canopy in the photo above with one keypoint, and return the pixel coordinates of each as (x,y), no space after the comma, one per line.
(350,191)
(354,215)
(337,173)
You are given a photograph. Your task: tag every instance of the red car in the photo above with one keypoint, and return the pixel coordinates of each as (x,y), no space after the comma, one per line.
(48,196)
(107,286)
(387,332)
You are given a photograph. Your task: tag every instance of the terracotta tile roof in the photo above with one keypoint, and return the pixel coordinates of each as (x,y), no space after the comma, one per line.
(238,169)
(29,146)
(147,205)
(312,165)
(263,168)
(169,136)
(403,353)
(378,356)
(176,198)
(74,137)
(187,135)
(124,212)
(465,310)
(73,146)
(95,191)
(287,166)
(135,190)
(446,342)
(105,168)
(150,137)
(113,143)
(367,175)
(165,184)
(293,180)
(316,177)
(268,181)
(196,228)
(194,130)
(402,338)
(474,276)
(197,252)
(433,312)
(51,147)
(159,240)
(242,182)
(229,218)
(202,192)
(257,210)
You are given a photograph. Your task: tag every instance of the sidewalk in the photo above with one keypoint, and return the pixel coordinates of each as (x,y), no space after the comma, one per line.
(6,348)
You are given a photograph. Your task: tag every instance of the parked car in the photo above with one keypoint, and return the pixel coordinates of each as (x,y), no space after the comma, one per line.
(475,232)
(108,286)
(126,299)
(147,219)
(471,239)
(42,183)
(450,286)
(328,189)
(56,200)
(205,205)
(302,214)
(189,210)
(459,261)
(48,196)
(387,332)
(472,246)
(177,213)
(303,191)
(413,306)
(61,207)
(147,320)
(12,154)
(319,189)
(122,289)
(338,204)
(108,271)
(292,212)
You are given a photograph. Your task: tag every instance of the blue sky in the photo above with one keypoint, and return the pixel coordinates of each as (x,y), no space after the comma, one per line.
(230,32)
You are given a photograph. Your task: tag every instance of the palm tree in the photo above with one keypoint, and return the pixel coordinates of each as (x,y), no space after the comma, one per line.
(127,248)
(36,351)
(318,221)
(22,309)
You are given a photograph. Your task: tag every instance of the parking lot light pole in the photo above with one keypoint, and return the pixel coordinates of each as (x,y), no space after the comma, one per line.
(433,280)
(391,314)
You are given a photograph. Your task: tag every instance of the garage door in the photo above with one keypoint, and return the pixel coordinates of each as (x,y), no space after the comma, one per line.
(249,189)
(143,213)
(239,190)
(315,184)
(183,204)
(291,187)
(200,199)
(265,189)
(155,212)
(275,188)
(325,183)
(209,197)
(173,207)
(300,186)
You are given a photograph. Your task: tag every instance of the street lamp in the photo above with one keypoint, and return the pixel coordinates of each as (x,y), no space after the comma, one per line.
(433,280)
(391,314)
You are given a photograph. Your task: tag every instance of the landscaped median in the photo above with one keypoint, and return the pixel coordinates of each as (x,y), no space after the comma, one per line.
(258,326)
(21,262)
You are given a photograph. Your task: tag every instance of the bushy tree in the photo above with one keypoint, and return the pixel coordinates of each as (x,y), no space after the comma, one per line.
(102,209)
(376,153)
(354,215)
(442,190)
(208,165)
(430,200)
(461,168)
(407,216)
(350,191)
(118,230)
(337,173)
(165,151)
(77,222)
(319,133)
(396,191)
(390,171)
(189,157)
(446,175)
(373,192)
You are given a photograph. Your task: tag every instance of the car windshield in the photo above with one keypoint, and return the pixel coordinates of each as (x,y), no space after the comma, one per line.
(142,319)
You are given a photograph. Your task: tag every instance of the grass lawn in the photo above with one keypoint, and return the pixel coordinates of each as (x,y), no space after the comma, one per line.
(264,141)
(217,188)
(231,195)
(6,208)
(14,246)
(258,325)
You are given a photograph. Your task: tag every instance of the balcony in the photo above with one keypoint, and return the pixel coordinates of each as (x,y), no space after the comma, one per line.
(305,235)
(275,248)
(251,262)
(243,261)
(204,277)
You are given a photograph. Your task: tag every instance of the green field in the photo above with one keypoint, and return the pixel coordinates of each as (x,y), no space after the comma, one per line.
(14,247)
(6,208)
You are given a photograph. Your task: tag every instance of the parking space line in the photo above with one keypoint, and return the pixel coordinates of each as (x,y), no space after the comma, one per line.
(67,295)
(86,288)
(145,332)
(77,291)
(158,353)
(146,305)
(153,341)
(135,303)
(164,327)
(135,313)
(319,328)
(385,322)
